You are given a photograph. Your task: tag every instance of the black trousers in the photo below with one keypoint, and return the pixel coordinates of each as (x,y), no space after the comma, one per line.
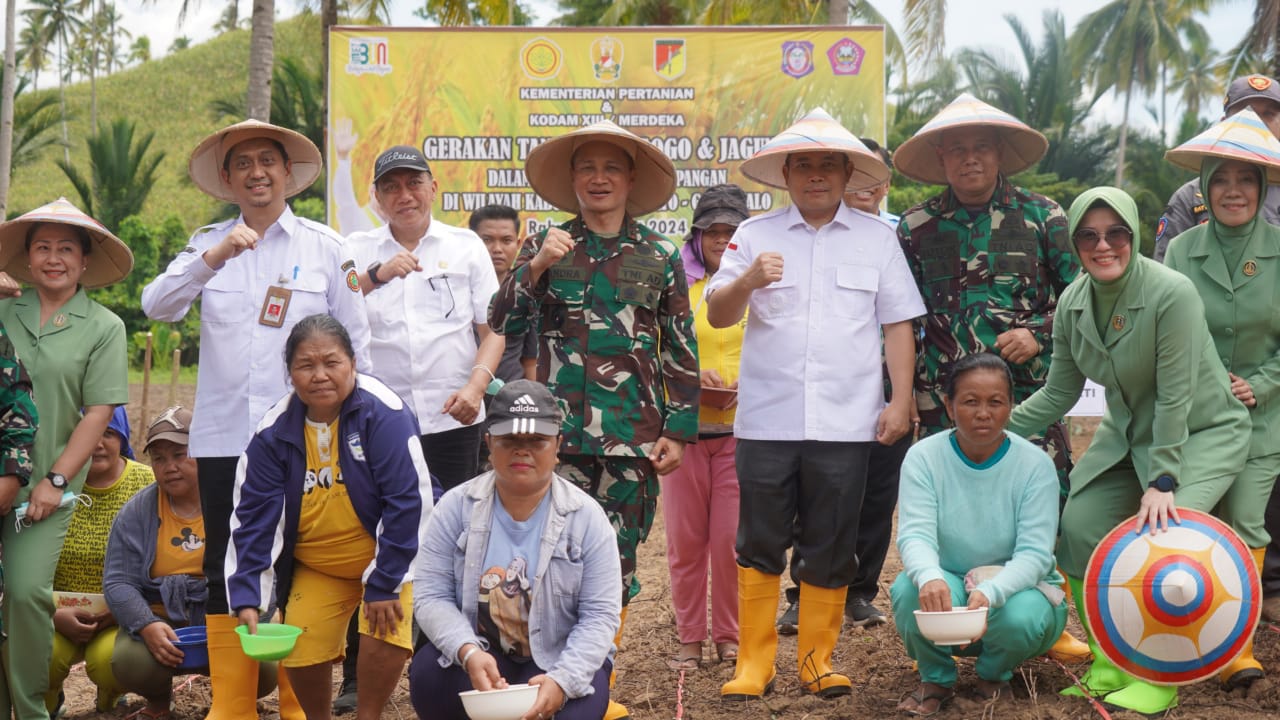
(217,500)
(875,522)
(453,456)
(804,493)
(1271,565)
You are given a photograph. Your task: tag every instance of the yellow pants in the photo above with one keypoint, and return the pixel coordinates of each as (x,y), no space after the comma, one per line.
(322,604)
(96,655)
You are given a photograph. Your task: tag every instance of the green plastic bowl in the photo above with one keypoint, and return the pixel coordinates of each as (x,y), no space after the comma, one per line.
(274,641)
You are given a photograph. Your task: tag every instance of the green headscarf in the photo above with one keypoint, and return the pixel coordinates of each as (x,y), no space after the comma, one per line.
(1232,240)
(1105,294)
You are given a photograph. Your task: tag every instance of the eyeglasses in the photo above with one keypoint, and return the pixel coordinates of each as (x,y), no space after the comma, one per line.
(1117,236)
(535,443)
(448,288)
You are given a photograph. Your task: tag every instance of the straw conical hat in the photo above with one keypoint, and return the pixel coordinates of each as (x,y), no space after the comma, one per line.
(1242,136)
(205,165)
(547,168)
(108,262)
(1023,147)
(816,132)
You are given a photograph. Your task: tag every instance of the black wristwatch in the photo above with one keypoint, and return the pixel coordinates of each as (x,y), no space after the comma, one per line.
(1164,483)
(58,480)
(372,271)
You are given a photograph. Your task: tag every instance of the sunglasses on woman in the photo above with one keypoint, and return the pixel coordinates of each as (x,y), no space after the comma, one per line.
(1117,236)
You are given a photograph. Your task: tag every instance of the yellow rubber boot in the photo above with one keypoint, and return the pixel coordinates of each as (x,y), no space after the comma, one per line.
(821,615)
(1067,649)
(616,710)
(1246,668)
(757,635)
(290,708)
(233,676)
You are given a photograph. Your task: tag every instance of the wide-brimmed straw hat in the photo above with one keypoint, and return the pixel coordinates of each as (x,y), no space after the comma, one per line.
(547,168)
(109,261)
(816,132)
(917,158)
(1242,136)
(205,165)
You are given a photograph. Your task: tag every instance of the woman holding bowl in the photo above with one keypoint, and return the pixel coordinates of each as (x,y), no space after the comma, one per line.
(75,351)
(518,577)
(336,471)
(1005,564)
(1173,433)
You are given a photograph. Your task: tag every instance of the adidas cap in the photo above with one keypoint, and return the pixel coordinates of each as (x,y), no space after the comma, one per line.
(524,407)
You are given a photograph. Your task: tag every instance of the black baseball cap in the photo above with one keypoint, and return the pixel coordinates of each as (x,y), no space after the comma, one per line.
(524,407)
(1250,87)
(400,157)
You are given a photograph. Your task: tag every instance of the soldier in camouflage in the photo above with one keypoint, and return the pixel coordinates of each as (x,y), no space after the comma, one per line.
(17,424)
(1186,208)
(616,346)
(990,259)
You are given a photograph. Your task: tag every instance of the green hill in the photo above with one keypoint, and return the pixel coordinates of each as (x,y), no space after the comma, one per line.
(171,97)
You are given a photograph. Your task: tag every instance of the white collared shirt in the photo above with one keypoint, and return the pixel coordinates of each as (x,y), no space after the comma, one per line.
(242,371)
(811,355)
(423,325)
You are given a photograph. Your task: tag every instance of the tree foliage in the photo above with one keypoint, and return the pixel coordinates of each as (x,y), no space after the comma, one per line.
(121,173)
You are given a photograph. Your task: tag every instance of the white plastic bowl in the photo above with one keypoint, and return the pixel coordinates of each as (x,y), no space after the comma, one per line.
(506,704)
(960,626)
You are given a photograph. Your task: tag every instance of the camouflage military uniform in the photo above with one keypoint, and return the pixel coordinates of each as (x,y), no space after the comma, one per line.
(981,275)
(17,413)
(616,347)
(1186,209)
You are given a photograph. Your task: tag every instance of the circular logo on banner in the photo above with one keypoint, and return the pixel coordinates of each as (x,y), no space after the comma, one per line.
(1175,607)
(541,59)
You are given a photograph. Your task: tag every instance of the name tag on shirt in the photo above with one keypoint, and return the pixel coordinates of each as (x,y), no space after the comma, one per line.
(275,306)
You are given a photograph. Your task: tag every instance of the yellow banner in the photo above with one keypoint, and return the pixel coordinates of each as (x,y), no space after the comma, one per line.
(476,100)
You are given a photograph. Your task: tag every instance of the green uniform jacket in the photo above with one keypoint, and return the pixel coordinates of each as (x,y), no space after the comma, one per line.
(1169,402)
(981,275)
(616,343)
(1240,306)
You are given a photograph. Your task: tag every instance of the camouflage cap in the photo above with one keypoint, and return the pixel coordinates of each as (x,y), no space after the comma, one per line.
(725,204)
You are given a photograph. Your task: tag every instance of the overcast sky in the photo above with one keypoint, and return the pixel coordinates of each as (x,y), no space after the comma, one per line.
(969,23)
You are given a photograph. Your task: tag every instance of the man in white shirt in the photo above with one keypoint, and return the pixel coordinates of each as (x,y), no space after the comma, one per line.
(256,275)
(811,391)
(427,288)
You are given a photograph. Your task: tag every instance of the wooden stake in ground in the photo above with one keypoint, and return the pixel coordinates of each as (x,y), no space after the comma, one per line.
(146,380)
(173,378)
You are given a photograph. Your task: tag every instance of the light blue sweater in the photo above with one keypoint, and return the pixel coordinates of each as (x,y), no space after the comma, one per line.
(955,516)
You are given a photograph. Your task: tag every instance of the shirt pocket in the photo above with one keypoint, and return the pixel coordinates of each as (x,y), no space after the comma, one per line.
(309,297)
(777,300)
(564,572)
(855,292)
(226,305)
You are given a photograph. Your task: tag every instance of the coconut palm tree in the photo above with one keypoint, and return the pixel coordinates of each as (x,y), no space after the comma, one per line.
(60,20)
(140,50)
(33,46)
(8,95)
(1121,46)
(480,12)
(121,174)
(1262,40)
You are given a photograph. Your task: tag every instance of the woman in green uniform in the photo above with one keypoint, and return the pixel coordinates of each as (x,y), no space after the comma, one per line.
(1173,433)
(75,350)
(1234,262)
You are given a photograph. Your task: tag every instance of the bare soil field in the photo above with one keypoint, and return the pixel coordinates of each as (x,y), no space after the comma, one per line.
(874,659)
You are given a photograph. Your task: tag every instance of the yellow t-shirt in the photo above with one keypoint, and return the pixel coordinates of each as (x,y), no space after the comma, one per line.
(85,549)
(180,543)
(330,536)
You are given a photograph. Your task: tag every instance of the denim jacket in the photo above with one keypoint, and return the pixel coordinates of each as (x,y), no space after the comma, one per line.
(577,590)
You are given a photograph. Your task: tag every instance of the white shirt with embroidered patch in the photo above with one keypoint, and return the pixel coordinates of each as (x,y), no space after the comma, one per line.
(242,371)
(423,325)
(811,354)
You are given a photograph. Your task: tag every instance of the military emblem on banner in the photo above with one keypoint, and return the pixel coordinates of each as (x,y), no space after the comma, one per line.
(606,58)
(668,58)
(541,58)
(845,57)
(797,58)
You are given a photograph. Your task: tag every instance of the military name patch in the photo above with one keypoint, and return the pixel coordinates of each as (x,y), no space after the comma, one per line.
(570,274)
(348,264)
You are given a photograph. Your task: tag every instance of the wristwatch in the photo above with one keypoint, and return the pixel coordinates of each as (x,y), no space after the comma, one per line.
(372,271)
(1164,483)
(57,480)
